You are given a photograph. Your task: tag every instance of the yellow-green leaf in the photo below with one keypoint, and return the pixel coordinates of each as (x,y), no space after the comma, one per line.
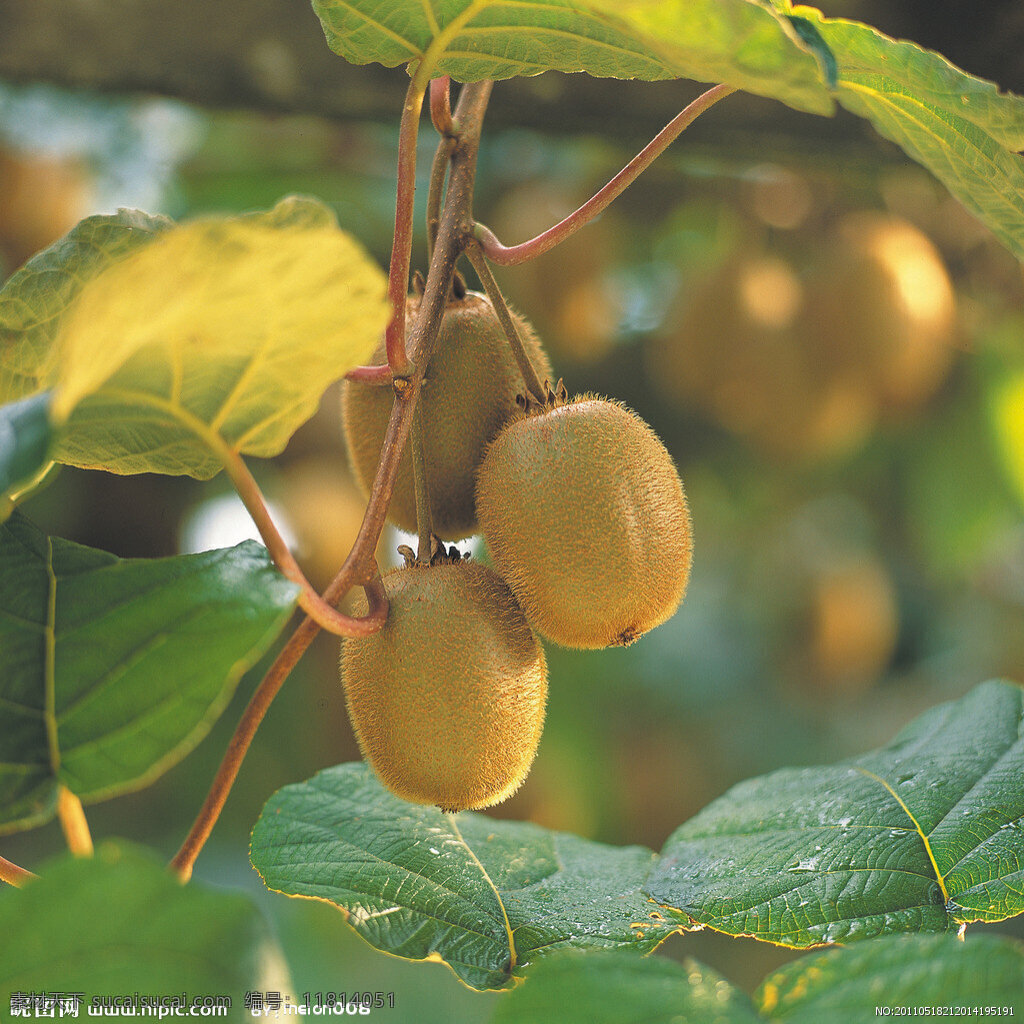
(223,331)
(36,298)
(741,42)
(165,343)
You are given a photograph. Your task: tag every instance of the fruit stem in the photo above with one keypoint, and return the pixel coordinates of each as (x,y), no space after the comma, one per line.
(379,376)
(530,377)
(507,256)
(401,249)
(441,115)
(438,170)
(325,615)
(424,521)
(14,875)
(360,566)
(72,821)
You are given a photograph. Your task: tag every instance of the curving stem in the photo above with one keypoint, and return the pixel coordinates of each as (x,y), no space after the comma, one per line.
(324,614)
(401,249)
(259,703)
(507,256)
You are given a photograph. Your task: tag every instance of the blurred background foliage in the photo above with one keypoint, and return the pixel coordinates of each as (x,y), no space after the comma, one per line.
(830,346)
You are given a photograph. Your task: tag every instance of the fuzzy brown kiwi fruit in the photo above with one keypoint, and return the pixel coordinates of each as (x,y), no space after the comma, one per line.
(447,700)
(469,392)
(585,518)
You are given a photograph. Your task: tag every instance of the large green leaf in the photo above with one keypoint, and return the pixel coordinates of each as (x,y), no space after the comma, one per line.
(112,670)
(898,970)
(119,924)
(219,334)
(963,129)
(925,834)
(740,42)
(842,985)
(486,897)
(25,437)
(34,301)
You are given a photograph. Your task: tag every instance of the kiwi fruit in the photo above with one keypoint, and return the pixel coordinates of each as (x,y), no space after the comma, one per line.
(447,699)
(585,518)
(469,392)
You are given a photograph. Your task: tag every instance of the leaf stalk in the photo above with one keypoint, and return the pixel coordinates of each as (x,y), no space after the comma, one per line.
(72,820)
(507,256)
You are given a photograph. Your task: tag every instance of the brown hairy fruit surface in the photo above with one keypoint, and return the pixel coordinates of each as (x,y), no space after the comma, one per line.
(447,700)
(585,517)
(469,393)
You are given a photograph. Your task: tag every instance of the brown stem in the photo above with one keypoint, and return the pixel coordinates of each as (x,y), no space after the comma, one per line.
(507,256)
(324,614)
(530,377)
(424,520)
(441,106)
(185,858)
(14,875)
(379,376)
(438,170)
(72,821)
(401,249)
(453,235)
(360,566)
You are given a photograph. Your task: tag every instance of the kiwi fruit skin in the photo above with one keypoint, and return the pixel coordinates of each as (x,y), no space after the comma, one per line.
(585,518)
(469,392)
(447,699)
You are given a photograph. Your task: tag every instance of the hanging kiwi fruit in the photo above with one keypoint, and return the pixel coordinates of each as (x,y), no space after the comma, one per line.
(585,517)
(469,391)
(447,700)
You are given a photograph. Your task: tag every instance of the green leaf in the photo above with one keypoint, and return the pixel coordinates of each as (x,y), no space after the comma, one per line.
(609,988)
(899,970)
(838,985)
(220,334)
(25,437)
(119,923)
(745,44)
(112,670)
(425,885)
(34,301)
(962,128)
(922,835)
